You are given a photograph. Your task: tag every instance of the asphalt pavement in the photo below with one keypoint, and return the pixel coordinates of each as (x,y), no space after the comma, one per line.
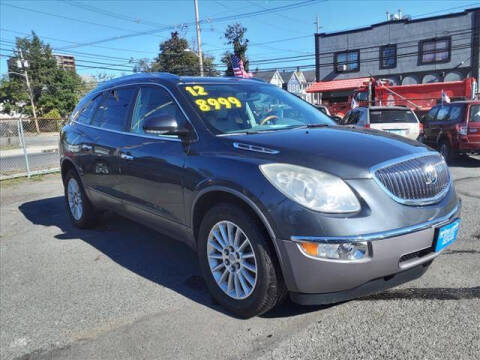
(122,291)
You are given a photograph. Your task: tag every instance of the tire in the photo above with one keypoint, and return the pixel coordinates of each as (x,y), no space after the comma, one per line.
(79,209)
(265,288)
(446,151)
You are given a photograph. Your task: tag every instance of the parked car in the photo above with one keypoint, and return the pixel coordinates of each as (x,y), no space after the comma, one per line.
(325,110)
(453,128)
(393,119)
(275,201)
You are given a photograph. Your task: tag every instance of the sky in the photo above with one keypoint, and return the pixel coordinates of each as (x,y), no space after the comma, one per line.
(105,34)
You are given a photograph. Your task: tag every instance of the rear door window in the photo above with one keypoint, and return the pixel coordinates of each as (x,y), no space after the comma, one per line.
(114,109)
(475,114)
(392,116)
(85,115)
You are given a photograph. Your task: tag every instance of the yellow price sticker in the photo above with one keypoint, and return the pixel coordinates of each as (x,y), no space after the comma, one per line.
(196,90)
(218,103)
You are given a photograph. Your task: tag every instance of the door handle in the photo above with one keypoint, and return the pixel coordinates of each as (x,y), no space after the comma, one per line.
(126,156)
(86,147)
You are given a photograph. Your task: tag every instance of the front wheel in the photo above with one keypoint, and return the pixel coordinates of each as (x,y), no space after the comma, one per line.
(237,262)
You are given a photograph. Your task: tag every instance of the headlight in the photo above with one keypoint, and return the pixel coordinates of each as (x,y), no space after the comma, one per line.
(313,189)
(342,251)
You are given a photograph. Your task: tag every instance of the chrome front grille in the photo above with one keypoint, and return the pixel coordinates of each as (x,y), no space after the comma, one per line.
(414,181)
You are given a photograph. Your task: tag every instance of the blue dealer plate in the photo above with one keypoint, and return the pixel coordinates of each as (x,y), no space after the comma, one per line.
(446,235)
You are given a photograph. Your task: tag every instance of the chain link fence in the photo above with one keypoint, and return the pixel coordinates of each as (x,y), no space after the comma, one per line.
(24,151)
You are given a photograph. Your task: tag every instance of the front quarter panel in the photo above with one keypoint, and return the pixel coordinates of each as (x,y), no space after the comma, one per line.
(234,174)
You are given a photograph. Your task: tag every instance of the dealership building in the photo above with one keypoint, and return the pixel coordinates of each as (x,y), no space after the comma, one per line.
(403,50)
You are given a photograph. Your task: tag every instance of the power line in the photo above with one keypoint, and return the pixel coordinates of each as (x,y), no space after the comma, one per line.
(64,17)
(84,54)
(373,59)
(413,17)
(202,21)
(373,48)
(112,14)
(75,42)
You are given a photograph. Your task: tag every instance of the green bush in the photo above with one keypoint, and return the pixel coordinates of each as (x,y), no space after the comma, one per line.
(52,114)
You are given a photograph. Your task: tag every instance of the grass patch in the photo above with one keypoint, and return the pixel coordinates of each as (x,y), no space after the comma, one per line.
(9,147)
(20,180)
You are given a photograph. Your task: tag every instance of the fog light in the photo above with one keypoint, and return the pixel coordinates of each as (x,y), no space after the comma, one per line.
(342,251)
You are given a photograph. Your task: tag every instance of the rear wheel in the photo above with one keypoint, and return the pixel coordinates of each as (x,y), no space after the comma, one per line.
(80,210)
(237,263)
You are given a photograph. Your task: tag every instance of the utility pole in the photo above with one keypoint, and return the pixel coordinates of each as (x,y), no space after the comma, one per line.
(317,22)
(24,65)
(317,52)
(199,40)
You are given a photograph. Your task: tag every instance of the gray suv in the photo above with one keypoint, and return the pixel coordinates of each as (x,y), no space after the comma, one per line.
(272,195)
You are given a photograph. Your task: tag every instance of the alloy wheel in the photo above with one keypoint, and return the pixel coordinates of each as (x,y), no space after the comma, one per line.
(75,199)
(232,261)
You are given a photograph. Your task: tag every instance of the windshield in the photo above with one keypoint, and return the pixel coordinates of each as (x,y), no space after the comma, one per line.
(392,116)
(245,108)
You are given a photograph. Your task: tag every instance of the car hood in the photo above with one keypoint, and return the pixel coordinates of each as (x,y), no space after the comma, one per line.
(345,152)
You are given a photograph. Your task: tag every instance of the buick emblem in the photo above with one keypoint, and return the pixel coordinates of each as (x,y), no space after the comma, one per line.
(431,175)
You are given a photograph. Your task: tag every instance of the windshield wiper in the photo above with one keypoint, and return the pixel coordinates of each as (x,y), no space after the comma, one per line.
(311,126)
(242,133)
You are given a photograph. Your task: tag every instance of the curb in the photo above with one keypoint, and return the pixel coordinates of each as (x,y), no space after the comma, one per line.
(19,152)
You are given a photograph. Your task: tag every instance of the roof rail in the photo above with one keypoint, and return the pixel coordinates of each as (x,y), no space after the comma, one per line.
(257,79)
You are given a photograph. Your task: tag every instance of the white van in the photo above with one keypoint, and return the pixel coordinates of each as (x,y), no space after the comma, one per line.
(394,119)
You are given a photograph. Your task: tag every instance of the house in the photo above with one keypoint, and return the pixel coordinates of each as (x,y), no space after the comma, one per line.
(296,83)
(271,77)
(403,50)
(312,98)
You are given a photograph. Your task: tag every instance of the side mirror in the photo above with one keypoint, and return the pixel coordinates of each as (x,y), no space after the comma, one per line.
(163,125)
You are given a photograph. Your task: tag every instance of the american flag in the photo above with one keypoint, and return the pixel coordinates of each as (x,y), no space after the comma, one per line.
(238,69)
(445,97)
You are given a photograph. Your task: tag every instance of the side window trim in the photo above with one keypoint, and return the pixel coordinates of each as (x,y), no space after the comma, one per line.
(128,120)
(144,86)
(147,135)
(99,97)
(85,106)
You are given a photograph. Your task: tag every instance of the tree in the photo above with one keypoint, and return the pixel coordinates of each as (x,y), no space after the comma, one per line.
(53,88)
(176,57)
(141,65)
(235,35)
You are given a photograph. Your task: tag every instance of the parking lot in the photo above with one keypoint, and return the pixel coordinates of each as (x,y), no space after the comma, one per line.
(122,291)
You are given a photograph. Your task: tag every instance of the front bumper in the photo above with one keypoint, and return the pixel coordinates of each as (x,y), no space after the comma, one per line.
(371,287)
(393,256)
